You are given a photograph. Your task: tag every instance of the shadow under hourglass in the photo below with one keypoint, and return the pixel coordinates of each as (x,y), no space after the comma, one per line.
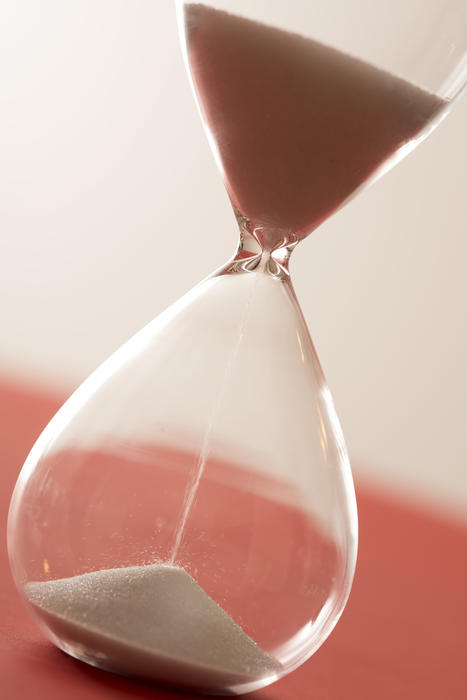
(120,687)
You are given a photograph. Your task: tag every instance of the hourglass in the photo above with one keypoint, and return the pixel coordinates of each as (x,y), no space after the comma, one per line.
(188,516)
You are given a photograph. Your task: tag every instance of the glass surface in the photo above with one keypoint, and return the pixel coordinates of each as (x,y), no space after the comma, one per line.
(188,517)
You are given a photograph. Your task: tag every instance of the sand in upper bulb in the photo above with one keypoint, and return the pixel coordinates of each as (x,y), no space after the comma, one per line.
(153,622)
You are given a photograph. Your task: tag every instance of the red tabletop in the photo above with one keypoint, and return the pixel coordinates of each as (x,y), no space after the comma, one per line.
(402,635)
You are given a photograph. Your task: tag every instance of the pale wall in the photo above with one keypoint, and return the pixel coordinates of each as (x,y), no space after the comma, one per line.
(111,207)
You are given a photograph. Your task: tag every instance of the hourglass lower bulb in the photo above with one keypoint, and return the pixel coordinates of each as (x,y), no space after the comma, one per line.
(188,516)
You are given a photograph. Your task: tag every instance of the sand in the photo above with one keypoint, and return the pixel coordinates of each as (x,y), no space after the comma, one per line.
(153,622)
(298,125)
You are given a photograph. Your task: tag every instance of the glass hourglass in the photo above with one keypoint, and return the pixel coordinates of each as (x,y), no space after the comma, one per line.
(188,516)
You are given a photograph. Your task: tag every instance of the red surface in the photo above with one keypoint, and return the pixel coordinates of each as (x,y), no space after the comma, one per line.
(403,634)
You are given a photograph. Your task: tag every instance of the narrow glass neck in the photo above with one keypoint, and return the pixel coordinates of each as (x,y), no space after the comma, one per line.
(262,249)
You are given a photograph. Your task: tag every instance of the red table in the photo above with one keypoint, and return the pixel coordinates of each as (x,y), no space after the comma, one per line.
(402,635)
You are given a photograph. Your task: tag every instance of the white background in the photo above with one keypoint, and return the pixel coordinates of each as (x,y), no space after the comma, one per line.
(111,208)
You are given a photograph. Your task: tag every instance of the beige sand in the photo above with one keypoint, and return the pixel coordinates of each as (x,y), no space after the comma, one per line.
(299,126)
(153,622)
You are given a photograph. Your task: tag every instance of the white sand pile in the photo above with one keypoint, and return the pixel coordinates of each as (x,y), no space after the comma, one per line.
(154,622)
